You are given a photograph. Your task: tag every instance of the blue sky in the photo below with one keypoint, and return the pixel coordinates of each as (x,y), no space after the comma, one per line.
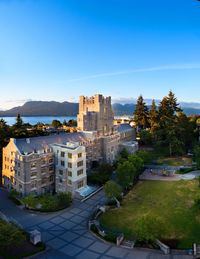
(60,49)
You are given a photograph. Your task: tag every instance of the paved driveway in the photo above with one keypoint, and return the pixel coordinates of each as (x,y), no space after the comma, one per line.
(66,233)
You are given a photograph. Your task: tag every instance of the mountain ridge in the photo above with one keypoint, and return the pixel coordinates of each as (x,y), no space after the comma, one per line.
(53,108)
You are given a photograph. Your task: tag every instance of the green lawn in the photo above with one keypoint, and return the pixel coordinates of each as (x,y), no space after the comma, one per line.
(172,202)
(175,161)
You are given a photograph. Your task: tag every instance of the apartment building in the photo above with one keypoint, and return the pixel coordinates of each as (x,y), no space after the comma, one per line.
(70,167)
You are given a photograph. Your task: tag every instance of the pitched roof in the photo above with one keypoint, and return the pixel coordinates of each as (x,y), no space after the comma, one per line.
(40,143)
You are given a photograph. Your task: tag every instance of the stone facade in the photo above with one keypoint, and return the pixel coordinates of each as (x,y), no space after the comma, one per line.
(95,114)
(34,165)
(29,173)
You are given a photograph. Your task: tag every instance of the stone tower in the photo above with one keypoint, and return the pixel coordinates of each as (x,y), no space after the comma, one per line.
(95,114)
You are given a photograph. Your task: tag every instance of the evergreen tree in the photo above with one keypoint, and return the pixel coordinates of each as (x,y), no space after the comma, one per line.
(153,116)
(168,131)
(19,122)
(141,114)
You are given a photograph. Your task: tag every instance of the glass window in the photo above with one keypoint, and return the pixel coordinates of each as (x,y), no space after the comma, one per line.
(79,155)
(62,163)
(50,161)
(80,184)
(70,173)
(69,165)
(69,155)
(61,172)
(69,182)
(80,163)
(62,154)
(33,174)
(80,172)
(33,164)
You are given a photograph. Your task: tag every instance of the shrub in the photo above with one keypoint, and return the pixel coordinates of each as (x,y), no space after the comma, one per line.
(10,234)
(64,199)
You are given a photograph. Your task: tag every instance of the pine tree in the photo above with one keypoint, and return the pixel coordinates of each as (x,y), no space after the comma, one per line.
(141,114)
(168,131)
(19,122)
(153,117)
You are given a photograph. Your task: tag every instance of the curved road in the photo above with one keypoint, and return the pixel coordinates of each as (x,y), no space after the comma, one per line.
(67,236)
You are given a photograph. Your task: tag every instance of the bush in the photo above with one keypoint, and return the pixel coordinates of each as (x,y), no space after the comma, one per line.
(14,196)
(197,203)
(10,234)
(64,199)
(48,203)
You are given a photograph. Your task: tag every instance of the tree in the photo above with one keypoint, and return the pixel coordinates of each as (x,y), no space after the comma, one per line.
(126,173)
(197,155)
(146,137)
(10,235)
(167,132)
(19,122)
(137,162)
(56,124)
(153,117)
(141,114)
(112,190)
(145,156)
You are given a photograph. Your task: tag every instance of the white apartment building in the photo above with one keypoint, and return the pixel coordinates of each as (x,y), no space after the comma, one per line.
(70,167)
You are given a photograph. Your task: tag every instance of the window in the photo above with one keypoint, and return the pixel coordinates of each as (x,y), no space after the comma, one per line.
(80,184)
(60,180)
(50,161)
(43,170)
(79,155)
(51,178)
(69,173)
(33,174)
(33,164)
(61,172)
(80,163)
(43,180)
(62,154)
(51,168)
(80,172)
(69,182)
(62,163)
(43,162)
(18,173)
(69,165)
(69,155)
(33,184)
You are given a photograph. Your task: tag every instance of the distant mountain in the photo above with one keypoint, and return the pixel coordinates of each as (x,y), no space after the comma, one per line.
(43,108)
(128,109)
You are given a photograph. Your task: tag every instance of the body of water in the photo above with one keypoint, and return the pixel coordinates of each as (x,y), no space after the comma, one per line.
(42,119)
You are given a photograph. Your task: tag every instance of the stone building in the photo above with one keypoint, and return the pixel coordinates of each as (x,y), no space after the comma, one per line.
(53,163)
(95,114)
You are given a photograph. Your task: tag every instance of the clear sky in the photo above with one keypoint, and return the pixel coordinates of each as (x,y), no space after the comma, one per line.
(60,49)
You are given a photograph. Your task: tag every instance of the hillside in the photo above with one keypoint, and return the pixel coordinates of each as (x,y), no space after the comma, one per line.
(43,108)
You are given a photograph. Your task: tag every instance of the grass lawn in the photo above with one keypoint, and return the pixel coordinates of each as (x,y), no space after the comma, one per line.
(172,202)
(175,161)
